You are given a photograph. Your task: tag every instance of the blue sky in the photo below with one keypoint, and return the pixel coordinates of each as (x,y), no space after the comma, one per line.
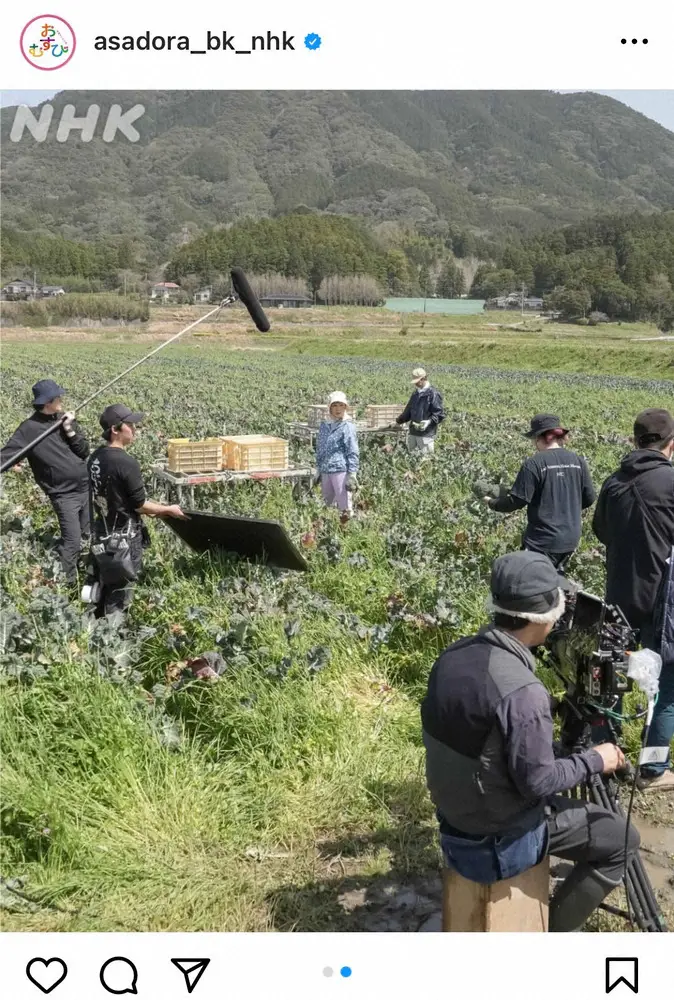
(655,104)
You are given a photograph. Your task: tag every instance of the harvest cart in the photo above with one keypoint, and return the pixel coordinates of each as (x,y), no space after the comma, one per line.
(177,484)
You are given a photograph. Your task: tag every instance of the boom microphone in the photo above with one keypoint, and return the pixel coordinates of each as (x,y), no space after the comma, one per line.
(52,428)
(249,299)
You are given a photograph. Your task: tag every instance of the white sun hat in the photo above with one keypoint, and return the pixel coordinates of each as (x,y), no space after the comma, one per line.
(337,397)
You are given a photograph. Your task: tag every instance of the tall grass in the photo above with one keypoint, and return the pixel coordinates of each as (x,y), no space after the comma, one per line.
(57,311)
(114,831)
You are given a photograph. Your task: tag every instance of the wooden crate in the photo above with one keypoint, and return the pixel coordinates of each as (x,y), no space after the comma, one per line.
(317,414)
(195,456)
(515,904)
(377,415)
(255,453)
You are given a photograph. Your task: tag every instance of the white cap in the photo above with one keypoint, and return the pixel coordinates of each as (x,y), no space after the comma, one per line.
(337,397)
(418,374)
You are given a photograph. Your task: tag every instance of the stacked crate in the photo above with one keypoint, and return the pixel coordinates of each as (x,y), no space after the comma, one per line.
(317,414)
(195,456)
(254,453)
(382,415)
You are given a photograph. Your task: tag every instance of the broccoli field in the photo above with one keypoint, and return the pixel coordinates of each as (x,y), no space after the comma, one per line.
(288,793)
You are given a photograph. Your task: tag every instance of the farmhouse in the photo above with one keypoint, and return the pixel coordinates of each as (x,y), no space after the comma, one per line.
(19,289)
(203,295)
(514,301)
(51,291)
(288,301)
(164,290)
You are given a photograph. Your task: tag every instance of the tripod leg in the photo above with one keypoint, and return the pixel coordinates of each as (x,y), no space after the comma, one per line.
(651,916)
(637,884)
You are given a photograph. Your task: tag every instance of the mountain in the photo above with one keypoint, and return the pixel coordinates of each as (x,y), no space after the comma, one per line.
(487,162)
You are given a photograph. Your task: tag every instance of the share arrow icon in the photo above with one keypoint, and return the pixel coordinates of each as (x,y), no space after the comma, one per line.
(192,969)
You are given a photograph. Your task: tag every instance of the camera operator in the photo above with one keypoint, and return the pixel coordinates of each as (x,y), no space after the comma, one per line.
(635,521)
(555,486)
(490,766)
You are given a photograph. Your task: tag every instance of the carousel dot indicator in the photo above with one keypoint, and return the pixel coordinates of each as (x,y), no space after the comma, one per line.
(345,971)
(327,972)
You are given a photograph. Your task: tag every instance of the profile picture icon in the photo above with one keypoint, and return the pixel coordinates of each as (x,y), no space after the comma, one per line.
(48,42)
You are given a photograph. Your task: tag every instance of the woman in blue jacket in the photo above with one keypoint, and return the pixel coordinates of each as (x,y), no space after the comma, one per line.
(337,455)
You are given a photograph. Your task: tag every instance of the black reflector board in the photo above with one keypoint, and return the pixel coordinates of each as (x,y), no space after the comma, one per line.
(247,537)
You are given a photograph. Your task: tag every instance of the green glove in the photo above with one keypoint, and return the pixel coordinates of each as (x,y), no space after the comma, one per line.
(351,482)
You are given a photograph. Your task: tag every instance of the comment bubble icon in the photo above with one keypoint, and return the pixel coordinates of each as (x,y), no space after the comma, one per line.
(119,975)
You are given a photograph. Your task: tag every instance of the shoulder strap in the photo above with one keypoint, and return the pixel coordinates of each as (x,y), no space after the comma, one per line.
(632,485)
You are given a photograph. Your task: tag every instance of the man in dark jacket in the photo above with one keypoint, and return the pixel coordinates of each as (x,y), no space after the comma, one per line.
(59,467)
(490,766)
(555,486)
(118,499)
(424,412)
(635,521)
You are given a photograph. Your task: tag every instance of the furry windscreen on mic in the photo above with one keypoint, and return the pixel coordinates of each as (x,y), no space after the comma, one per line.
(249,299)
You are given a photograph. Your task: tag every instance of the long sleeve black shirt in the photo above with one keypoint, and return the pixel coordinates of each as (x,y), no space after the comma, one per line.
(58,463)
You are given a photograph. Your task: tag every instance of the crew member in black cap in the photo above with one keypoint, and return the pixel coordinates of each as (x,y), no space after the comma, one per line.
(59,466)
(490,766)
(118,498)
(635,521)
(555,486)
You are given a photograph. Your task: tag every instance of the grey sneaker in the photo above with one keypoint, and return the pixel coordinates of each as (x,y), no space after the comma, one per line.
(663,783)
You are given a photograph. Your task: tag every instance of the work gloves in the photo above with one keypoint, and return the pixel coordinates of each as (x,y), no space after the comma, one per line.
(68,425)
(351,482)
(315,479)
(489,491)
(421,425)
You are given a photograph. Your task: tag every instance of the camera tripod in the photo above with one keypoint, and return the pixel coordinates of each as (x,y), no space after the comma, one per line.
(579,720)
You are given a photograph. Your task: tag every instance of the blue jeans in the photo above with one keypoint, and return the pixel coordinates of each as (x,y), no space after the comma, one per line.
(662,726)
(492,859)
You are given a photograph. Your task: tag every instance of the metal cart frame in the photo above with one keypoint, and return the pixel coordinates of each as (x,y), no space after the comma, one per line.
(179,482)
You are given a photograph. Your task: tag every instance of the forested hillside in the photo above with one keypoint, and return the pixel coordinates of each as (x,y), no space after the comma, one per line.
(620,265)
(460,166)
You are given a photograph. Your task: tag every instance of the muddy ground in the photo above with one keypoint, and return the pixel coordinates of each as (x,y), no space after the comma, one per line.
(412,902)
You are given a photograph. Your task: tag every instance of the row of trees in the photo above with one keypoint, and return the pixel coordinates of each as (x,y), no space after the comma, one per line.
(57,257)
(622,266)
(350,289)
(356,289)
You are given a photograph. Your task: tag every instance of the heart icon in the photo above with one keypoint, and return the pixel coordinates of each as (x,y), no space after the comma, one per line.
(45,978)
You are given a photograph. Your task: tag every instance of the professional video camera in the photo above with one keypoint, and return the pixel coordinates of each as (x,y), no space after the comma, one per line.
(589,650)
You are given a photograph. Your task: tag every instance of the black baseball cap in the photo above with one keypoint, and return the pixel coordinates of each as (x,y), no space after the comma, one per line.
(46,390)
(544,422)
(527,585)
(653,426)
(118,413)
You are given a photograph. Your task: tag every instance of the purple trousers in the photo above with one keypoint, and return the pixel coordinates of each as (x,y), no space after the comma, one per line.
(335,492)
